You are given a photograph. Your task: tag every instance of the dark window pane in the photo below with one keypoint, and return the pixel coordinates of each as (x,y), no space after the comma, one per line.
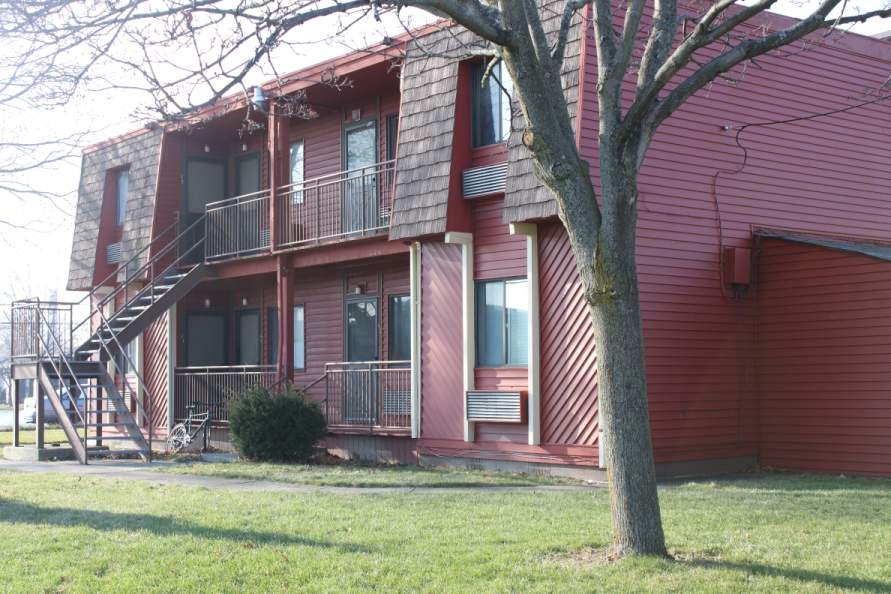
(248,175)
(392,135)
(491,105)
(248,329)
(272,333)
(362,331)
(205,340)
(400,328)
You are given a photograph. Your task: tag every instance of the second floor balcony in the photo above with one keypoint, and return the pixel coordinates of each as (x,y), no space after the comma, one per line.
(338,207)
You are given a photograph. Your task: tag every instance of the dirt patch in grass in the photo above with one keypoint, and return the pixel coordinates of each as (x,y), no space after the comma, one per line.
(581,558)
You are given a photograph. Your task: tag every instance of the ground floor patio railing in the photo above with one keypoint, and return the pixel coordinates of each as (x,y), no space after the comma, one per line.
(372,396)
(211,388)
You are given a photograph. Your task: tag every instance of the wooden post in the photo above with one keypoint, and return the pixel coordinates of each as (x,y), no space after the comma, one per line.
(16,407)
(285,300)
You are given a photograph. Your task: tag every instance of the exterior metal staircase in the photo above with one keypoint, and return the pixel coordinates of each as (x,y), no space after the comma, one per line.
(79,379)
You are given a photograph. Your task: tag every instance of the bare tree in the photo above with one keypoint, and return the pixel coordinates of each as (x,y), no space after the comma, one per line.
(670,54)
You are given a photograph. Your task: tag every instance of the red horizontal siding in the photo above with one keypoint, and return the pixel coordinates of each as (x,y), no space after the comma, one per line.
(496,253)
(503,379)
(699,190)
(824,370)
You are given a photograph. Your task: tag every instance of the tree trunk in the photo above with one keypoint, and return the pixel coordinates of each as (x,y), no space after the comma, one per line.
(611,290)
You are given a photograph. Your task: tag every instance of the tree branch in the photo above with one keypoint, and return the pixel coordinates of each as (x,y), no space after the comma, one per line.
(751,48)
(569,10)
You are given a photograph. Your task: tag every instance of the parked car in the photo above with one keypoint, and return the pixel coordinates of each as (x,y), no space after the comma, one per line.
(28,412)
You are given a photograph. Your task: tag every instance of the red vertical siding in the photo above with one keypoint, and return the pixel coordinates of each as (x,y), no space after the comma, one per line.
(154,358)
(442,387)
(568,361)
(824,360)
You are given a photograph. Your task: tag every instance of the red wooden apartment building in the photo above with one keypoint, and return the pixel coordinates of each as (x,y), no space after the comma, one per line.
(392,253)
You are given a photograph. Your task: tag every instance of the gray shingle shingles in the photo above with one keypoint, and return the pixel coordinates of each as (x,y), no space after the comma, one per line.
(141,154)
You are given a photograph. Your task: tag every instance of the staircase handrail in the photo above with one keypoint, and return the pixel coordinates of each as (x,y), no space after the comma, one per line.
(128,363)
(62,357)
(126,264)
(148,264)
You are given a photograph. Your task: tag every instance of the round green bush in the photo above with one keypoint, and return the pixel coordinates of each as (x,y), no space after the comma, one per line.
(280,426)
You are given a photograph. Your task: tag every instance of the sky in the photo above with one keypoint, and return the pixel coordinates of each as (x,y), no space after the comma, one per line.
(34,258)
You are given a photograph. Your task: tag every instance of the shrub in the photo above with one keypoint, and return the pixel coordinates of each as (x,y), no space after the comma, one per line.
(281,426)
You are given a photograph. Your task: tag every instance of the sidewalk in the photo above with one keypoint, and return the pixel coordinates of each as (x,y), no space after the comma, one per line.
(136,471)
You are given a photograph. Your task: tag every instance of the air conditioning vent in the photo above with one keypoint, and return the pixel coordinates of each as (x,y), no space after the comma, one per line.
(114,253)
(482,181)
(397,402)
(495,407)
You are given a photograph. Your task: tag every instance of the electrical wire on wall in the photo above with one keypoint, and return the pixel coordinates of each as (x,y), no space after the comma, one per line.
(742,166)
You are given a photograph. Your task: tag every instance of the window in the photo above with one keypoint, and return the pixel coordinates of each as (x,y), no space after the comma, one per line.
(491,105)
(296,170)
(126,361)
(392,135)
(205,339)
(247,175)
(247,328)
(299,338)
(399,330)
(272,335)
(502,314)
(122,187)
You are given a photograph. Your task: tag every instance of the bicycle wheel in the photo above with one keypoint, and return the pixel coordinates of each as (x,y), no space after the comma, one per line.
(178,438)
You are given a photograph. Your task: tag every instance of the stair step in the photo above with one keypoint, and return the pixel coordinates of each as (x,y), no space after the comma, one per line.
(162,288)
(111,438)
(107,453)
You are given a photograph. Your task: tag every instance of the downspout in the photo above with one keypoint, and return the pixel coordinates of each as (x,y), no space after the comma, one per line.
(530,230)
(465,240)
(415,341)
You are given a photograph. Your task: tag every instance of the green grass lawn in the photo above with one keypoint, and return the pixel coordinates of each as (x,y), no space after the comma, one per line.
(50,436)
(357,475)
(765,534)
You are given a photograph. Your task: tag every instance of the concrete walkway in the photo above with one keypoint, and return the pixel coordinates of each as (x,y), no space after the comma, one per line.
(136,471)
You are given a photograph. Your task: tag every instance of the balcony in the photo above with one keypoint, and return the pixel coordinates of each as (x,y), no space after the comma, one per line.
(359,398)
(370,397)
(338,207)
(212,387)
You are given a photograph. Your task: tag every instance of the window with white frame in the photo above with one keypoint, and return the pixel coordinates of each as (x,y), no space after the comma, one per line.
(502,322)
(299,338)
(122,188)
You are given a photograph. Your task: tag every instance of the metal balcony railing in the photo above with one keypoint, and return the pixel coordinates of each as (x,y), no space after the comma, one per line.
(211,388)
(343,205)
(372,395)
(237,227)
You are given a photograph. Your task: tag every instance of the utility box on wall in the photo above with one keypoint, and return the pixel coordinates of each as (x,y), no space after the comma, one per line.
(737,266)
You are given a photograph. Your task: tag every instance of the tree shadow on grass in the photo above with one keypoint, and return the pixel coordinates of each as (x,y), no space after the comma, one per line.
(800,575)
(24,513)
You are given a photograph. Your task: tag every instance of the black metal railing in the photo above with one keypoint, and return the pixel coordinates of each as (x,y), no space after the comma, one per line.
(237,227)
(373,395)
(343,205)
(211,388)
